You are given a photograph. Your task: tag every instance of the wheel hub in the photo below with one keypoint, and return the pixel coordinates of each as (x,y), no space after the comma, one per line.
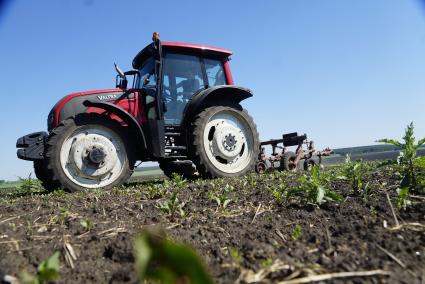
(227,141)
(97,155)
(93,156)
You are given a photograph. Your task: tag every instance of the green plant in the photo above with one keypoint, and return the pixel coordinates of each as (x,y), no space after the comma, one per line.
(235,255)
(266,263)
(165,261)
(47,271)
(86,224)
(355,173)
(178,180)
(60,218)
(222,201)
(412,179)
(297,232)
(221,196)
(172,206)
(29,184)
(314,188)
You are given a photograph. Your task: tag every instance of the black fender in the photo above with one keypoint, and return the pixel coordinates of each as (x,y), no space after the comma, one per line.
(216,95)
(124,115)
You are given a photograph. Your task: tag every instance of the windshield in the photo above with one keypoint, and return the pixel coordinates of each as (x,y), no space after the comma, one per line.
(147,74)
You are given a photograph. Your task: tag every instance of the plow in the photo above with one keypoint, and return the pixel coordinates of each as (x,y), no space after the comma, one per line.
(283,159)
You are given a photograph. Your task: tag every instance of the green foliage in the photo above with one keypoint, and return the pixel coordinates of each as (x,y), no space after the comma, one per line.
(178,180)
(235,255)
(278,190)
(314,188)
(172,206)
(355,173)
(86,224)
(221,196)
(403,197)
(29,184)
(412,178)
(266,263)
(165,261)
(47,271)
(297,232)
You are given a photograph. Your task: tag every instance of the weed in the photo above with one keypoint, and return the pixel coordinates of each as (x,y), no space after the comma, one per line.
(222,201)
(165,261)
(221,197)
(266,263)
(278,191)
(355,173)
(29,184)
(297,232)
(235,255)
(178,180)
(47,271)
(155,191)
(407,160)
(87,224)
(314,188)
(173,206)
(60,218)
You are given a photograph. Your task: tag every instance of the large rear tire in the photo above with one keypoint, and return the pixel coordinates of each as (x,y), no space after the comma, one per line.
(89,151)
(225,142)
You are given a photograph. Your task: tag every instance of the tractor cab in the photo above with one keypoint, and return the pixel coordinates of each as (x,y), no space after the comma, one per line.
(184,70)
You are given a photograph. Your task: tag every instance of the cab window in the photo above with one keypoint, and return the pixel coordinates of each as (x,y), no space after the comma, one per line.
(215,72)
(183,77)
(147,74)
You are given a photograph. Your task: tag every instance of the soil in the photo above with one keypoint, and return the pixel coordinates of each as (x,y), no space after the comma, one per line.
(357,234)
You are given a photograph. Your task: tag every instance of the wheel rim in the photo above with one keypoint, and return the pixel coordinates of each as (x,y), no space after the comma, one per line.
(228,141)
(93,156)
(291,164)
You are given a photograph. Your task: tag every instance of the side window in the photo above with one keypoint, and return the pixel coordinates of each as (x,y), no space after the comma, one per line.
(182,78)
(215,72)
(147,74)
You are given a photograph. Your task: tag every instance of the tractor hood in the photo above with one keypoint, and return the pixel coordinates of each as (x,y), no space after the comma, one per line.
(73,104)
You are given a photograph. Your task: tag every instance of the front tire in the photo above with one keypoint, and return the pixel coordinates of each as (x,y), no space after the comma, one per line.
(225,142)
(40,170)
(88,151)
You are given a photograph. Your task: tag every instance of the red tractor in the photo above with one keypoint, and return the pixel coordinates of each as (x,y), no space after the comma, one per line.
(182,110)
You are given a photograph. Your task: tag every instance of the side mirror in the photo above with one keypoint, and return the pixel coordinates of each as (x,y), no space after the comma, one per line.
(121,82)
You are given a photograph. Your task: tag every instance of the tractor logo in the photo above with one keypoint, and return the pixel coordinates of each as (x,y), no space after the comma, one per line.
(106,97)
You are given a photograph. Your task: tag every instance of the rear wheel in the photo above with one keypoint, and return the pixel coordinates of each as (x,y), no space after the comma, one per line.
(225,142)
(88,151)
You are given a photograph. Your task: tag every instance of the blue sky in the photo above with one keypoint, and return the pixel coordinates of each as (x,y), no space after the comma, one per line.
(344,72)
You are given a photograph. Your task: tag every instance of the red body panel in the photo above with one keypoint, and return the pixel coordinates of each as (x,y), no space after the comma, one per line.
(133,106)
(228,73)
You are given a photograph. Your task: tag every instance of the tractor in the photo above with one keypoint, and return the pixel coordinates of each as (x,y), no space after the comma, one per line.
(181,109)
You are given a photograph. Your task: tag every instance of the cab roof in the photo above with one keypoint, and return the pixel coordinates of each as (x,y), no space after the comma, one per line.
(199,49)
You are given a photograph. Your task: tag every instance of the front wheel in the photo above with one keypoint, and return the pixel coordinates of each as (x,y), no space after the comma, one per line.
(225,142)
(88,151)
